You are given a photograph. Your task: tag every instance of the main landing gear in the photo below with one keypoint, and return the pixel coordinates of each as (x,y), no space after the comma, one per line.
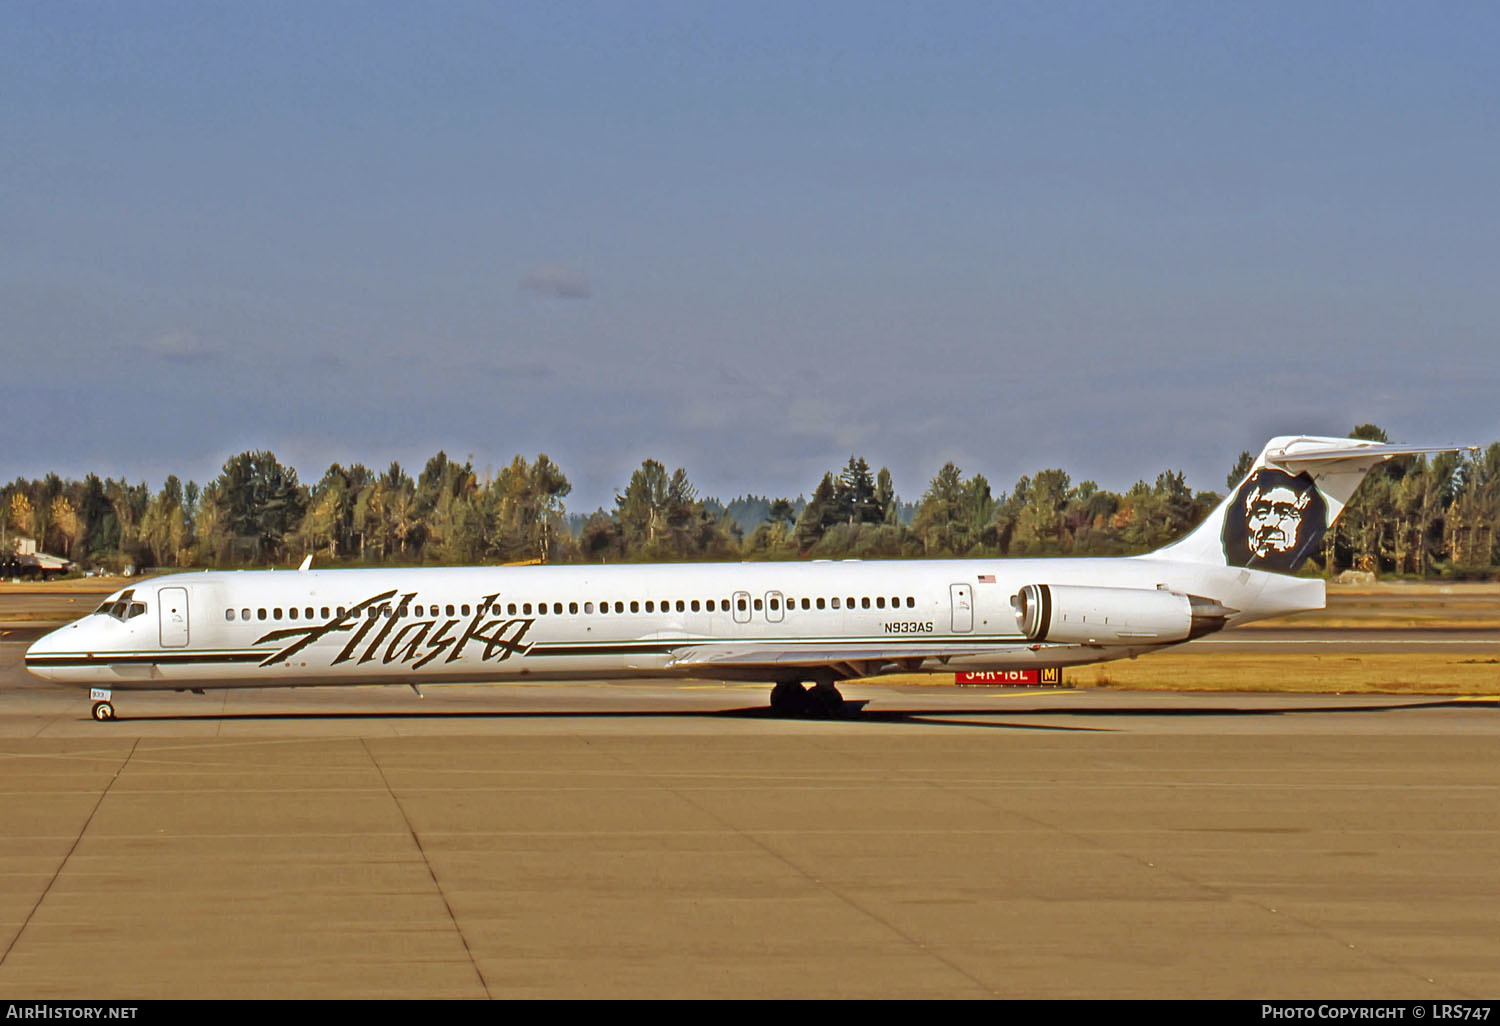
(822,701)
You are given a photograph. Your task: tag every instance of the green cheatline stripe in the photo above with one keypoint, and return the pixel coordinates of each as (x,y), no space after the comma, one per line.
(171,658)
(595,648)
(638,648)
(603,649)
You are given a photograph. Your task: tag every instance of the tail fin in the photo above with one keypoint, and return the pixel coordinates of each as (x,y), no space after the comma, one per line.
(1295,491)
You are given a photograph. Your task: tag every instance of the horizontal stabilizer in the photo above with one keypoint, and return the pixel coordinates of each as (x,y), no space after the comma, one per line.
(1376,452)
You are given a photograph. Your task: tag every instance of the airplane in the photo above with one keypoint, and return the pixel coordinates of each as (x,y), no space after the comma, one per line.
(801,627)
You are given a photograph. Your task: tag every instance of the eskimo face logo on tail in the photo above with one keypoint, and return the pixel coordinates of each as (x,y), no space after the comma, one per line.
(1275,522)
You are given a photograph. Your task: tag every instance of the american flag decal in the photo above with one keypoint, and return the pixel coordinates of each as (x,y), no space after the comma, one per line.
(986,578)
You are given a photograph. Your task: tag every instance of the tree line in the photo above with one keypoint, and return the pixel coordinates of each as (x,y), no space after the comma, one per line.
(1412,516)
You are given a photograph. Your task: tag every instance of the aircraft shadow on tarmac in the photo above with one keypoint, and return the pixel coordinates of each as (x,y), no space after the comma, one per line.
(936,717)
(855,712)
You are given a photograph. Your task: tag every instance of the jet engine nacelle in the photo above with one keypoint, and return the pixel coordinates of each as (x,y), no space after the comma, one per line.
(1114,616)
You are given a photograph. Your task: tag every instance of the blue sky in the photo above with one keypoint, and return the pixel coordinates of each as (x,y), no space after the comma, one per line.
(750,240)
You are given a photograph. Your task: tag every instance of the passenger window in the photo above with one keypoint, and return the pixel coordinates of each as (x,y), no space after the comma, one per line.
(464,609)
(681,606)
(759,605)
(806,604)
(573,607)
(650,607)
(879,601)
(244,614)
(710,605)
(776,604)
(911,603)
(740,603)
(821,603)
(588,607)
(260,614)
(850,604)
(604,607)
(693,605)
(325,612)
(635,607)
(291,614)
(276,613)
(541,609)
(510,610)
(835,602)
(229,614)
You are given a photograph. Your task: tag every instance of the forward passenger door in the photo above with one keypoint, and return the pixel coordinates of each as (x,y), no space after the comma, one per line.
(172,605)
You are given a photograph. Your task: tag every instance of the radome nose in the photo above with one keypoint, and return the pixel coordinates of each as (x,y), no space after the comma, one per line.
(36,654)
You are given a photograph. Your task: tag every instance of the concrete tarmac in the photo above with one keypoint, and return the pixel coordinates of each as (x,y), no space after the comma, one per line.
(660,839)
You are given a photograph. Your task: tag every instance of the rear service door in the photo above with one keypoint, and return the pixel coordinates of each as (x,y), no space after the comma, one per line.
(174,617)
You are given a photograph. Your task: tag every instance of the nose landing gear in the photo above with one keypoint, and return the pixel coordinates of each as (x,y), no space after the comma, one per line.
(104,709)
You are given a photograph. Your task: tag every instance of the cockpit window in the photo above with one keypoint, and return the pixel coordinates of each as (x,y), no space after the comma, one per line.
(122,607)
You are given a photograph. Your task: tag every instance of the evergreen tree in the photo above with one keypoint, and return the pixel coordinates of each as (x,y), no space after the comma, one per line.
(854,494)
(821,512)
(262,500)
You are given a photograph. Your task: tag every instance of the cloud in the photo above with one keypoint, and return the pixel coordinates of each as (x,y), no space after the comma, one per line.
(833,422)
(180,346)
(558,282)
(514,370)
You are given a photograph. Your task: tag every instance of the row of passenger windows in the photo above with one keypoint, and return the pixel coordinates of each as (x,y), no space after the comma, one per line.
(775,602)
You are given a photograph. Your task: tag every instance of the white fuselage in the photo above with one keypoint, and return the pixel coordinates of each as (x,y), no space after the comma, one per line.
(474,624)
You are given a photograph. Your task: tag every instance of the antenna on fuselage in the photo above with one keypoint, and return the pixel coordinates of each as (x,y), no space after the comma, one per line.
(306,563)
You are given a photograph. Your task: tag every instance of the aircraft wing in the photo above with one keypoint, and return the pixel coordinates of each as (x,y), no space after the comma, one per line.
(853,659)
